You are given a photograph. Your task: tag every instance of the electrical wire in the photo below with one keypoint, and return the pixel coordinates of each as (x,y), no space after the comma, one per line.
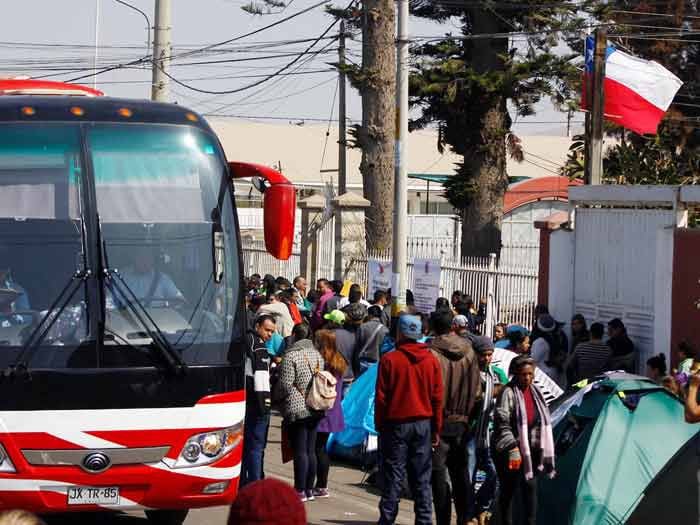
(251,33)
(275,82)
(148,22)
(328,130)
(202,49)
(255,84)
(270,117)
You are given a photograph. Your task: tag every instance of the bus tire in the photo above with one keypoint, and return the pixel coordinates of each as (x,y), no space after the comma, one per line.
(166,517)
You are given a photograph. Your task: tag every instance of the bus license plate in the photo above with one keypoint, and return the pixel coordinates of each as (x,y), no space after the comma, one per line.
(93,495)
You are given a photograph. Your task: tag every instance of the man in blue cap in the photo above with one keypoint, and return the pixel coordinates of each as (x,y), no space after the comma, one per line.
(408,417)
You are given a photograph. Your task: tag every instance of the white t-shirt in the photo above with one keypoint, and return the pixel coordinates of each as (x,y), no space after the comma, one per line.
(344,301)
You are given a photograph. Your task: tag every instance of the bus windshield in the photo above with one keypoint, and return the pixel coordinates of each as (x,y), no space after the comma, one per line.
(154,191)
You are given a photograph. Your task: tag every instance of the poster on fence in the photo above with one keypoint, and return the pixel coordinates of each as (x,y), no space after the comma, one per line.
(426,284)
(378,276)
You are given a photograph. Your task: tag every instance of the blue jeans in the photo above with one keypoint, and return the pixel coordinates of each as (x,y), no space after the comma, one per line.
(406,447)
(254,443)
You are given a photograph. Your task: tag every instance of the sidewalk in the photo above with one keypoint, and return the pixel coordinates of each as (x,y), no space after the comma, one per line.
(350,502)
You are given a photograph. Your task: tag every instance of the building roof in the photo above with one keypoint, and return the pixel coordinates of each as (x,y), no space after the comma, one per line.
(532,190)
(299,150)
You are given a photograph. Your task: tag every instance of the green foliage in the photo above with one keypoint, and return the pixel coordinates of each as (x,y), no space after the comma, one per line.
(658,159)
(574,167)
(457,82)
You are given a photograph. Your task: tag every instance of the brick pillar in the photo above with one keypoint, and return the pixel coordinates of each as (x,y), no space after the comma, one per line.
(546,227)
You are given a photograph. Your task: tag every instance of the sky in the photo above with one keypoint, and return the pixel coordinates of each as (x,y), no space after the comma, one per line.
(57,38)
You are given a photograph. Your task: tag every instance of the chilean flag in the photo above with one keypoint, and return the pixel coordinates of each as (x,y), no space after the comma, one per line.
(638,92)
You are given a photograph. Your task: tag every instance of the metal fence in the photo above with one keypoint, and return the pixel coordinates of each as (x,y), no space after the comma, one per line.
(257,260)
(510,290)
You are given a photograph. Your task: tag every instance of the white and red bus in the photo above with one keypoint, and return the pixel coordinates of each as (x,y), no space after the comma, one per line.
(121,303)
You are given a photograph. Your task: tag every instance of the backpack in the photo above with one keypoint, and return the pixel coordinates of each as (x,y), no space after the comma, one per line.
(321,395)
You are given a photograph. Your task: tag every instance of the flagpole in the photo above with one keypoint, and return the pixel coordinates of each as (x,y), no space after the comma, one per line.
(594,119)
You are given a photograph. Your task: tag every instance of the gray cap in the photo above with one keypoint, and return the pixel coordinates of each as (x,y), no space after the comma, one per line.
(481,343)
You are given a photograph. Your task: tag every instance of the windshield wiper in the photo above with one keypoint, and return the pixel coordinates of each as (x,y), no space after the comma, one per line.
(21,363)
(170,356)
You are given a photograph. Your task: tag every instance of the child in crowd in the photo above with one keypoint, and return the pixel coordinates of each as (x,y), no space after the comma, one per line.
(656,367)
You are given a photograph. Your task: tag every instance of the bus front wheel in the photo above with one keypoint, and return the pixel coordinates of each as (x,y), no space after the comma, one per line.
(166,517)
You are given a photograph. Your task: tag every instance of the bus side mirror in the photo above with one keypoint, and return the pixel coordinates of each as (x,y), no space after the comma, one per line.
(279,201)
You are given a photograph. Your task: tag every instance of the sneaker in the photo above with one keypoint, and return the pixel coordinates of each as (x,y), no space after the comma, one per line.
(321,493)
(310,495)
(302,496)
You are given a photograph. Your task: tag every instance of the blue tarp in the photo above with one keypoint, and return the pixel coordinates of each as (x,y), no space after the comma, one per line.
(358,411)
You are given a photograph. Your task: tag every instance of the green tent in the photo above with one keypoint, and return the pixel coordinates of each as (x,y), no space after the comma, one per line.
(618,441)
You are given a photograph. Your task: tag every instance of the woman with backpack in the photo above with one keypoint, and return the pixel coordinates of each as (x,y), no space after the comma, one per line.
(333,420)
(301,363)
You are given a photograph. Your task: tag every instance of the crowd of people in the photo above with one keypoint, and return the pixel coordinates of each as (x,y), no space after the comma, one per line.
(461,431)
(464,431)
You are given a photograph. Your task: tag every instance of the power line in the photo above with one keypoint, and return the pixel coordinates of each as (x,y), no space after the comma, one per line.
(269,77)
(225,77)
(269,117)
(251,33)
(148,22)
(270,85)
(205,48)
(645,13)
(330,119)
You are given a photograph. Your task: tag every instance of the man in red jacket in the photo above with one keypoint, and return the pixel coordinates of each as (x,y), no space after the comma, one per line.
(408,417)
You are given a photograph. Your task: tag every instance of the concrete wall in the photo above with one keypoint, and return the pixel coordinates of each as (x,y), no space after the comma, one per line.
(561,275)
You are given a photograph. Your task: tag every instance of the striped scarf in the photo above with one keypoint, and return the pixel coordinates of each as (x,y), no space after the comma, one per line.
(546,444)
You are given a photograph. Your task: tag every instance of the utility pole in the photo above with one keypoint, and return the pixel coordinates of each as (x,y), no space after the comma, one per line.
(342,158)
(161,52)
(594,117)
(97,42)
(398,281)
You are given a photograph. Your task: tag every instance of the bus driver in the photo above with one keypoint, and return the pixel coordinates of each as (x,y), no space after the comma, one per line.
(150,286)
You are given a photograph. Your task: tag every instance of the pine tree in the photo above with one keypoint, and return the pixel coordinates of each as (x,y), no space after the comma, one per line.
(505,54)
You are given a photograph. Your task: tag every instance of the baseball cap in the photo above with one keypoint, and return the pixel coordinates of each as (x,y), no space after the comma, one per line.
(460,321)
(411,326)
(336,316)
(481,343)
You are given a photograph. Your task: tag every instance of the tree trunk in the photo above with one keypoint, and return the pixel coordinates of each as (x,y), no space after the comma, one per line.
(376,135)
(485,165)
(485,152)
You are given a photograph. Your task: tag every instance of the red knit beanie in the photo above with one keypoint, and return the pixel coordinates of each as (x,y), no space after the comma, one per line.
(267,502)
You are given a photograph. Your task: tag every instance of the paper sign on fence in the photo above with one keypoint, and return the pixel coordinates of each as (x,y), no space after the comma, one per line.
(426,284)
(378,276)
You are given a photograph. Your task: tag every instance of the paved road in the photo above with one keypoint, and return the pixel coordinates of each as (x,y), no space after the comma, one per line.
(350,503)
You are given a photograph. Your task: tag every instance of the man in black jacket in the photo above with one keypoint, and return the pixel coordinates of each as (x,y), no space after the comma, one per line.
(257,404)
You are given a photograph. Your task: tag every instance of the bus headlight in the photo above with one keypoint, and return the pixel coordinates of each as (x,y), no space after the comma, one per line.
(5,462)
(202,449)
